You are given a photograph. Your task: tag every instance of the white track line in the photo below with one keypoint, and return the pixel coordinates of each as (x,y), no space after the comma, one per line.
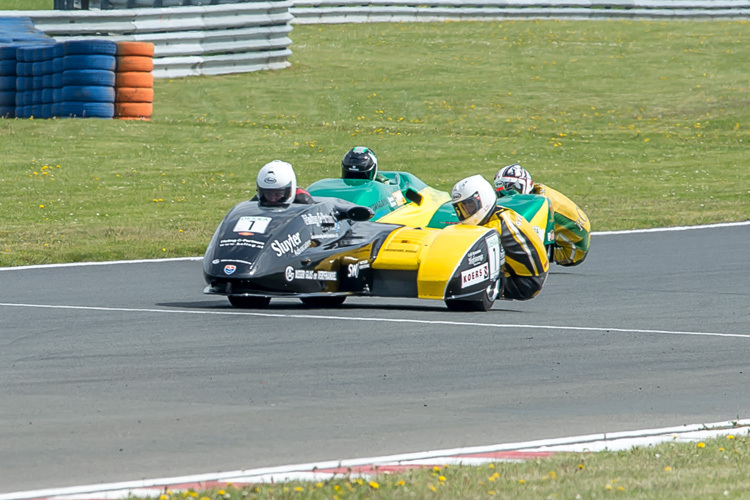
(378,320)
(594,442)
(180,259)
(668,229)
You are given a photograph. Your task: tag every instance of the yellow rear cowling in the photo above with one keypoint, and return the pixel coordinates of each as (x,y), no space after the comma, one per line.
(434,253)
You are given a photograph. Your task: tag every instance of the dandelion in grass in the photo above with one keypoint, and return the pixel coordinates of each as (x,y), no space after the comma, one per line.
(374,485)
(701,445)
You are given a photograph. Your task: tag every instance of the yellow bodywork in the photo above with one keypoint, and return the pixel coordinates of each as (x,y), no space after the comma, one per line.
(434,253)
(414,215)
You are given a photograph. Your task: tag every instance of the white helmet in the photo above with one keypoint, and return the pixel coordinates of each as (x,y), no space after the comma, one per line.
(277,184)
(513,178)
(473,199)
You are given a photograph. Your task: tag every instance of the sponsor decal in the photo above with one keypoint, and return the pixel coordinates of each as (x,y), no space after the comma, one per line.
(456,196)
(392,202)
(251,224)
(241,242)
(380,203)
(289,273)
(215,261)
(230,269)
(291,244)
(475,257)
(270,180)
(319,219)
(399,197)
(309,274)
(353,270)
(539,232)
(475,275)
(364,264)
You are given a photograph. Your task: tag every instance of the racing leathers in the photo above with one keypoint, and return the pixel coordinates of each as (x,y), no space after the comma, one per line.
(526,263)
(572,227)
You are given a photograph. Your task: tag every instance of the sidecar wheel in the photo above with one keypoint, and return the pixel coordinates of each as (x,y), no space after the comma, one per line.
(483,303)
(249,302)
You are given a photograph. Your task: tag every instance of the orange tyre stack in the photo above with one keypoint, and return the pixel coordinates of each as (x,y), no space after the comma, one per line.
(134,81)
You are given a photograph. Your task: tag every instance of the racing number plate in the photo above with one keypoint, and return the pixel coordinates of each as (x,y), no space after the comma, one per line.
(493,249)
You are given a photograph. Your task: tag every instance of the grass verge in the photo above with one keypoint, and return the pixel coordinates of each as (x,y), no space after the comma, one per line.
(716,468)
(642,123)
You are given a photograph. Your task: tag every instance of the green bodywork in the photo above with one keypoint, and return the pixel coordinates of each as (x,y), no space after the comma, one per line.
(405,188)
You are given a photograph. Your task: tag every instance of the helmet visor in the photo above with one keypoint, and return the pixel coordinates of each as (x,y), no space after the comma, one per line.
(357,172)
(468,206)
(280,196)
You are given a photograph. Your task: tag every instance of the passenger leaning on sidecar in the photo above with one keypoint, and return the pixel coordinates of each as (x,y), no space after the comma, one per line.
(526,263)
(277,186)
(572,227)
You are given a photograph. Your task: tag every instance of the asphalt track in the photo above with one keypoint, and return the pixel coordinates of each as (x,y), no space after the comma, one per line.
(127,371)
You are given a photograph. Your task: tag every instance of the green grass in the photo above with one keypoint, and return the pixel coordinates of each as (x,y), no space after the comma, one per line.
(27,5)
(712,469)
(643,124)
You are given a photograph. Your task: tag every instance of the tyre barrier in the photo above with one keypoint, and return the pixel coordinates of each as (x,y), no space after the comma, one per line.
(96,78)
(134,81)
(22,48)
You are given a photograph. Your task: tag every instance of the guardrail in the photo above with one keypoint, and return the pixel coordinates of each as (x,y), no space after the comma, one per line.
(188,41)
(361,11)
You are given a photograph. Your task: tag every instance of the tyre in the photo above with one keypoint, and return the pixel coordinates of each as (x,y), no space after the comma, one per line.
(87,109)
(8,83)
(482,303)
(84,77)
(134,79)
(8,67)
(93,93)
(87,47)
(249,302)
(134,94)
(89,62)
(135,49)
(329,301)
(134,109)
(134,63)
(8,51)
(7,98)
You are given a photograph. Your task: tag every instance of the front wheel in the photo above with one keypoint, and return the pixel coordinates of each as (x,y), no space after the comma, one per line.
(331,301)
(249,302)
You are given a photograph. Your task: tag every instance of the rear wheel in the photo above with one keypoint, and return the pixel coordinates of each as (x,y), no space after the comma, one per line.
(244,302)
(332,301)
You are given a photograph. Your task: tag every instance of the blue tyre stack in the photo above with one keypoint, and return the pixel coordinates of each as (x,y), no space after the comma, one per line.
(57,78)
(17,36)
(88,79)
(25,81)
(7,81)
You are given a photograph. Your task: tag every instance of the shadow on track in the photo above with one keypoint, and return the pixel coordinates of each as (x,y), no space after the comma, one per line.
(288,305)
